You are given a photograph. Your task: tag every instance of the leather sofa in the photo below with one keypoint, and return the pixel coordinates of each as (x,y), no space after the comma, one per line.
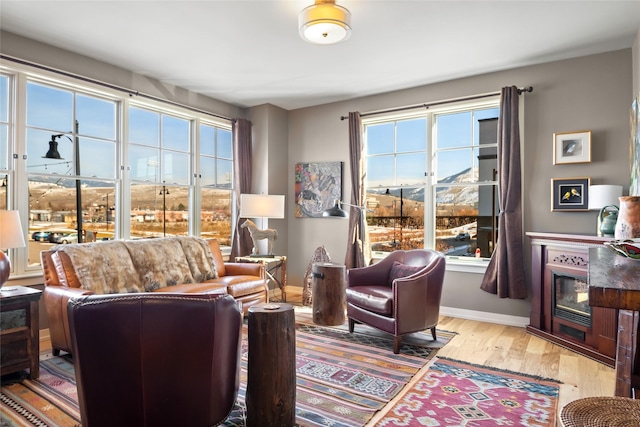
(169,264)
(156,359)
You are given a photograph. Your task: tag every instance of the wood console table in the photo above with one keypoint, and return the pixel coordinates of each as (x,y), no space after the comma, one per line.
(614,282)
(20,330)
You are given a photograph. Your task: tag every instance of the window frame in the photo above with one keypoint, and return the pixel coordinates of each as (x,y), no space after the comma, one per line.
(454,263)
(17,194)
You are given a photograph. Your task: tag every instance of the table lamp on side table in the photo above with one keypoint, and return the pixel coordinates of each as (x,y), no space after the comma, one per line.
(261,206)
(604,198)
(11,236)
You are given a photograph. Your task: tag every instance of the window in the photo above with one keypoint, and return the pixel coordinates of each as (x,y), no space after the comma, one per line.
(216,178)
(160,159)
(119,167)
(437,168)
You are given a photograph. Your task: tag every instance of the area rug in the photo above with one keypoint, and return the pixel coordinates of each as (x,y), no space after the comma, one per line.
(342,380)
(454,393)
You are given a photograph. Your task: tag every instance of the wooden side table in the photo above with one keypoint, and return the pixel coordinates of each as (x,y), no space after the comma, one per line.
(328,290)
(274,266)
(271,365)
(20,330)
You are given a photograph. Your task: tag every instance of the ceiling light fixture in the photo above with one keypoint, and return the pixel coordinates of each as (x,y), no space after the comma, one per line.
(324,23)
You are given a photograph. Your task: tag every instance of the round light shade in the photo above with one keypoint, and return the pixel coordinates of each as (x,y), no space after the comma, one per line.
(324,23)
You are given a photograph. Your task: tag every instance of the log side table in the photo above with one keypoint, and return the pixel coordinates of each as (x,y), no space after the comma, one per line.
(328,290)
(271,366)
(20,330)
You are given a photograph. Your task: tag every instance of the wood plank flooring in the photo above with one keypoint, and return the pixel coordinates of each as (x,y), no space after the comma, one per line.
(511,348)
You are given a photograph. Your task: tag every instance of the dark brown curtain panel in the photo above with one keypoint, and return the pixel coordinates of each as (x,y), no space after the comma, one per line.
(356,246)
(505,273)
(242,156)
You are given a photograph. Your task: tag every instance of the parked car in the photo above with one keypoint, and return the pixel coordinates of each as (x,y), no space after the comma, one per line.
(68,238)
(41,236)
(463,236)
(54,236)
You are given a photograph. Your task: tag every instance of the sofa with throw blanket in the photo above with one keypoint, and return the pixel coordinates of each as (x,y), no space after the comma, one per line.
(168,264)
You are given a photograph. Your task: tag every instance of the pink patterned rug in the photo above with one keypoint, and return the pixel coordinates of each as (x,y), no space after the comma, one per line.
(453,393)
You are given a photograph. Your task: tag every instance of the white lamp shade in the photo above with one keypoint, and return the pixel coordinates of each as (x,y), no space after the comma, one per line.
(324,23)
(11,235)
(261,206)
(604,195)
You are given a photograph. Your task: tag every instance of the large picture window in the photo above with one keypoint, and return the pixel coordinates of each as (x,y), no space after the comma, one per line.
(432,180)
(97,165)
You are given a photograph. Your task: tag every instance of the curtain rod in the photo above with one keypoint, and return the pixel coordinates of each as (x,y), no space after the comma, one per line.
(432,104)
(130,92)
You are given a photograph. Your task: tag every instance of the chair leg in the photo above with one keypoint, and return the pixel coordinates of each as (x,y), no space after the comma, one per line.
(351,325)
(397,342)
(433,333)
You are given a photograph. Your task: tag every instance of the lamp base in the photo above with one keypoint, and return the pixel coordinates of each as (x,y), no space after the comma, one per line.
(5,269)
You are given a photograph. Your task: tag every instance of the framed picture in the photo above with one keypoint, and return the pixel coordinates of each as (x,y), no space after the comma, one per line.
(572,147)
(570,194)
(317,187)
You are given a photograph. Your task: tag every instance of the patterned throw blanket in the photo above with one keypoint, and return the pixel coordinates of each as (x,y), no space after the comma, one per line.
(123,266)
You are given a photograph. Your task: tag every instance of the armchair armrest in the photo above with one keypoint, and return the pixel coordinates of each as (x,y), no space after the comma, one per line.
(244,269)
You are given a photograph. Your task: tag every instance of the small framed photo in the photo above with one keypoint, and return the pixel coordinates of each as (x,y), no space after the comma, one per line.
(570,194)
(572,147)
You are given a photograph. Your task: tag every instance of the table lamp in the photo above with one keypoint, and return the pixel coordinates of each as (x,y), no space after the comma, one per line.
(261,206)
(11,236)
(604,198)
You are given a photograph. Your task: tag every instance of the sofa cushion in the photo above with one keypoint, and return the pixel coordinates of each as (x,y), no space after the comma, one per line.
(199,257)
(101,267)
(399,270)
(159,263)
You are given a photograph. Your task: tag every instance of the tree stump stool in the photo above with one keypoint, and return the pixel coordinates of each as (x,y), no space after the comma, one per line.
(328,290)
(271,366)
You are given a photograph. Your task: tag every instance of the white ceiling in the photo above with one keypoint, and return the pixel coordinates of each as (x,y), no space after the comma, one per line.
(249,53)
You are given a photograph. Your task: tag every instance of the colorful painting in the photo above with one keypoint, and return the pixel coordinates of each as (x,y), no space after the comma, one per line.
(634,187)
(317,187)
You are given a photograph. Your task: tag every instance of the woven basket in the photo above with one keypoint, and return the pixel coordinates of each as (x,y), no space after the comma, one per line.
(601,412)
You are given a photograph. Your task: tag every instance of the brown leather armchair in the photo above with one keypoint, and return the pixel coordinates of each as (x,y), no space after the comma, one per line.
(398,295)
(155,359)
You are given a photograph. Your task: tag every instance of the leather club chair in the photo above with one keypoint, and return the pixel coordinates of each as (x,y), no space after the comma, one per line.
(149,360)
(398,295)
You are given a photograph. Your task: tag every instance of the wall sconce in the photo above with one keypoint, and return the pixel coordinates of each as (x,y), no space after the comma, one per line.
(604,198)
(11,236)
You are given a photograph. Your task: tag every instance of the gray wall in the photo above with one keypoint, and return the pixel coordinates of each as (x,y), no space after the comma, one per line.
(591,93)
(588,93)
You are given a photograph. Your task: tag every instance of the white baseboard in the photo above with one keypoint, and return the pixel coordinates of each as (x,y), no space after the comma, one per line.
(483,316)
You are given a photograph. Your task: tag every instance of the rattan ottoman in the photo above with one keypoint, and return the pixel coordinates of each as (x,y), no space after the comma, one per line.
(601,412)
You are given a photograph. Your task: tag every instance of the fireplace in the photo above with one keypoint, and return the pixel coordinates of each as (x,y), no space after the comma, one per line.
(560,310)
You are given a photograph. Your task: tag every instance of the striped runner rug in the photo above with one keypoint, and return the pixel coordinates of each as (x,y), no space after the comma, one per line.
(342,380)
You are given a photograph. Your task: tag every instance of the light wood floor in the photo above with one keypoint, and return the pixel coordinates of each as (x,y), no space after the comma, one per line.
(511,348)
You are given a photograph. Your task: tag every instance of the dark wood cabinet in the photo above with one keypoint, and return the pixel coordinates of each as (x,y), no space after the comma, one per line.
(19,330)
(560,309)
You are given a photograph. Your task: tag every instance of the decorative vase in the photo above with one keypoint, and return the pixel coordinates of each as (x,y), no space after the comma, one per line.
(628,225)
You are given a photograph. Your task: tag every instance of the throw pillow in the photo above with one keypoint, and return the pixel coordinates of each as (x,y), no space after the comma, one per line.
(399,270)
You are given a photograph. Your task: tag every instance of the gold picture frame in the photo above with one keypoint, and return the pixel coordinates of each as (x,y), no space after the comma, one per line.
(570,194)
(572,147)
